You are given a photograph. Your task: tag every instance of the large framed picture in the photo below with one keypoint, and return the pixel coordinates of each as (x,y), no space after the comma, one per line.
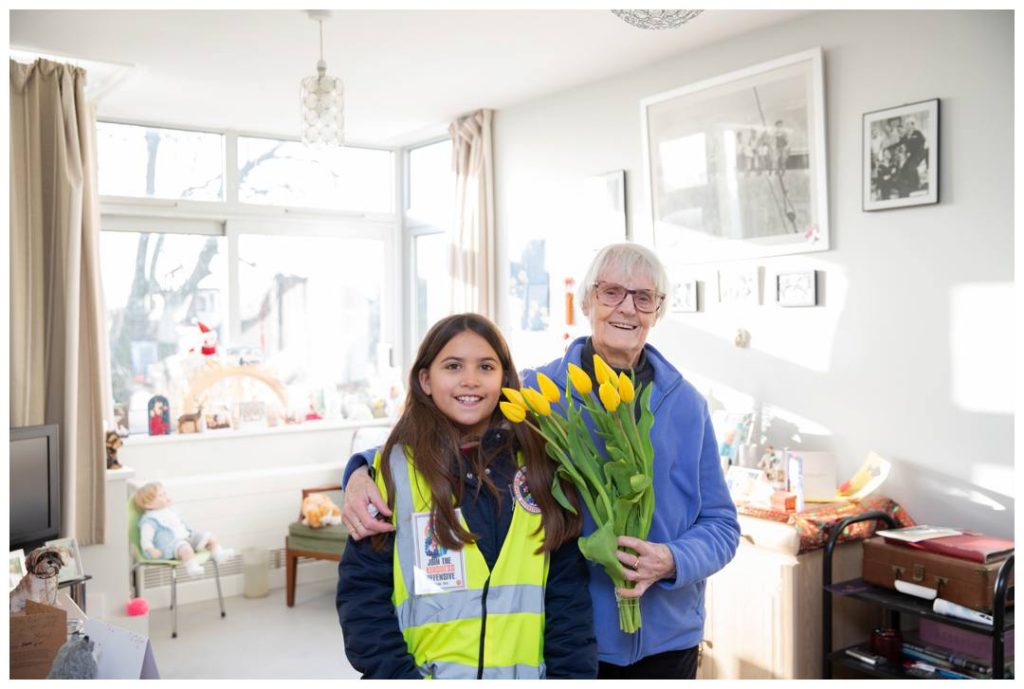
(68,548)
(901,156)
(736,165)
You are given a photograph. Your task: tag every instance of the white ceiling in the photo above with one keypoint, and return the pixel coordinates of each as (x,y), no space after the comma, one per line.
(406,73)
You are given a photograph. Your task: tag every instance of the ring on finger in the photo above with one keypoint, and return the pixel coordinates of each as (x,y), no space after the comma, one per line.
(637,562)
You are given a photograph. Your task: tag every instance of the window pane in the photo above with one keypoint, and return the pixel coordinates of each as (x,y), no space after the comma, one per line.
(287,173)
(160,163)
(157,287)
(311,306)
(432,184)
(432,282)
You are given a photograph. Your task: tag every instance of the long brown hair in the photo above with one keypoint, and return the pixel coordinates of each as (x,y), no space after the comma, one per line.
(434,441)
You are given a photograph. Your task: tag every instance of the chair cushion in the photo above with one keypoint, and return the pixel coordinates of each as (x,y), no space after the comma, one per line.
(336,533)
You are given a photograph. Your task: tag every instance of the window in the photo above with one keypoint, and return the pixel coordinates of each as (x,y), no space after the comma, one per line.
(428,217)
(159,163)
(157,288)
(300,306)
(287,173)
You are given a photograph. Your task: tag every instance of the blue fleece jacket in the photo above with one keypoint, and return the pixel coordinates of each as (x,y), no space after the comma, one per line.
(693,516)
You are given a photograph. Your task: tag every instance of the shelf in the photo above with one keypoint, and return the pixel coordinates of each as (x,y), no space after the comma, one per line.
(885,670)
(858,589)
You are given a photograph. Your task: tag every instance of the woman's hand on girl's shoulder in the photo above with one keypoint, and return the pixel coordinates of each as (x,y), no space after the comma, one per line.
(360,494)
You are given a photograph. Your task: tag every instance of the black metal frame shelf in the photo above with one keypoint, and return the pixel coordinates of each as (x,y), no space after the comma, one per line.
(896,603)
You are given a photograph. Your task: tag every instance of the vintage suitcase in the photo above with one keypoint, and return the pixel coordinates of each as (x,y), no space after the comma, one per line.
(967,583)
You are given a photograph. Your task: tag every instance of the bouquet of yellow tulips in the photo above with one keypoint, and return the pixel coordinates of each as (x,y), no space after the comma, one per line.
(615,484)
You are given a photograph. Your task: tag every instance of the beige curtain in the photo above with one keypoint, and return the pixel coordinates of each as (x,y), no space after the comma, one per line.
(472,247)
(58,357)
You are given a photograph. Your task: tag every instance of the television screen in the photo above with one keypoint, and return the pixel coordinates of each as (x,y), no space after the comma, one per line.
(34,486)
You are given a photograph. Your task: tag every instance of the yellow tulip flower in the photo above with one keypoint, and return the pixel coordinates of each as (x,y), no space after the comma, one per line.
(580,380)
(626,390)
(548,388)
(513,412)
(609,396)
(603,372)
(537,402)
(514,396)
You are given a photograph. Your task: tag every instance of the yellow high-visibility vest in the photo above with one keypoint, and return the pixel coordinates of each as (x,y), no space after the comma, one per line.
(494,627)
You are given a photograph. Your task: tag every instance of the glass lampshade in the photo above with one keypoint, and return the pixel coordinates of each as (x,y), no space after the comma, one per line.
(323,109)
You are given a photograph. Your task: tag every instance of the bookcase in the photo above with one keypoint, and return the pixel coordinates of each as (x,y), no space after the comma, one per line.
(895,604)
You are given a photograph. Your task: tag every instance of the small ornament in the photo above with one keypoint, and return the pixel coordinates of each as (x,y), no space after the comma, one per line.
(159,415)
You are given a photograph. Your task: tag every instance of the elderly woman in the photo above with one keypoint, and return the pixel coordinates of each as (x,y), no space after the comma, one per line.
(694,532)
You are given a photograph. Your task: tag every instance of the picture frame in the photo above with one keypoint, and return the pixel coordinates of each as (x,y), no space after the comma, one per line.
(798,288)
(72,557)
(900,156)
(17,567)
(740,286)
(736,165)
(685,297)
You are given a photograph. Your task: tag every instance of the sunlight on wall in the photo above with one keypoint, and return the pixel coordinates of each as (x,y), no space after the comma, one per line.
(981,347)
(998,479)
(801,336)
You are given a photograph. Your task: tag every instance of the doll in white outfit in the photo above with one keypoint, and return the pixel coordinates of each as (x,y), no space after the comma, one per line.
(164,535)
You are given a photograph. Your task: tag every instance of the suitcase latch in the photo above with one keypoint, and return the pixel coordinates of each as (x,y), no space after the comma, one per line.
(918,572)
(897,571)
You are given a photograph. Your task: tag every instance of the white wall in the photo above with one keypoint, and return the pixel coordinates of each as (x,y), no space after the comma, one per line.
(910,353)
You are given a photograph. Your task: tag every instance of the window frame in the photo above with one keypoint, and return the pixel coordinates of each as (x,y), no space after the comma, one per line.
(230,219)
(413,228)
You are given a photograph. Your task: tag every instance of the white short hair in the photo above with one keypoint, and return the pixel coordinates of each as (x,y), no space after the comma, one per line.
(633,260)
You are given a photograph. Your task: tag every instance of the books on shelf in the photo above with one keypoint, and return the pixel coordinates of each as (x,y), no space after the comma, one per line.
(965,545)
(948,660)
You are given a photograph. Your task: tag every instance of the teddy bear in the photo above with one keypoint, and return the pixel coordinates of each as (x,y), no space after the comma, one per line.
(114,444)
(319,511)
(164,535)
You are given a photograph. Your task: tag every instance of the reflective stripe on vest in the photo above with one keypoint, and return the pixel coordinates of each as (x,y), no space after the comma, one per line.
(443,630)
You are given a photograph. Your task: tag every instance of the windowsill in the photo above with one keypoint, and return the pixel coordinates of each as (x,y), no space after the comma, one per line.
(228,434)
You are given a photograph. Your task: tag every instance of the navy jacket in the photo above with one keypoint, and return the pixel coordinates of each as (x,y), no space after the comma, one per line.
(373,641)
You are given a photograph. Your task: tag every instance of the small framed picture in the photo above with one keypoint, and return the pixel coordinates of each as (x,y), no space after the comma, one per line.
(740,286)
(901,156)
(685,297)
(68,548)
(797,289)
(17,567)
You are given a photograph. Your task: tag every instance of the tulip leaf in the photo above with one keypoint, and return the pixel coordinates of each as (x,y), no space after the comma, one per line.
(559,494)
(600,547)
(638,482)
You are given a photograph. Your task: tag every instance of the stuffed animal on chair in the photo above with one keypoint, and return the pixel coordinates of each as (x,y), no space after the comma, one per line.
(319,511)
(164,535)
(40,583)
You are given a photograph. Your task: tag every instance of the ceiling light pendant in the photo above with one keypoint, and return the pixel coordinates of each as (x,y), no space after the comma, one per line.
(656,19)
(323,104)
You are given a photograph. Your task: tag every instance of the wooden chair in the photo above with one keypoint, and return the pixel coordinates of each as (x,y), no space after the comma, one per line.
(326,543)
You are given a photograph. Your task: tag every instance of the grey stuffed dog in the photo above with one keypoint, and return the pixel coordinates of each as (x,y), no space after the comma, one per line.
(75,660)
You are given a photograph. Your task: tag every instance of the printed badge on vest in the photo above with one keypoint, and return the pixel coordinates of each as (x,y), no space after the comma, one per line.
(437,569)
(521,491)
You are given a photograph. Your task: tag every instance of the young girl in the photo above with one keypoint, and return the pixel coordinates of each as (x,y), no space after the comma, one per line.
(481,577)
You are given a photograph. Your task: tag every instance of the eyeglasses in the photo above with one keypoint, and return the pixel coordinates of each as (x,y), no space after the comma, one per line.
(613,294)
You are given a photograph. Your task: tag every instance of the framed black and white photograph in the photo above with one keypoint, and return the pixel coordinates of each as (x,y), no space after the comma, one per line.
(685,297)
(797,288)
(901,156)
(68,548)
(735,165)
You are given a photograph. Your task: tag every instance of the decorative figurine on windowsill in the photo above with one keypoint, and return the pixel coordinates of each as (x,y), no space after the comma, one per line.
(159,416)
(164,535)
(114,444)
